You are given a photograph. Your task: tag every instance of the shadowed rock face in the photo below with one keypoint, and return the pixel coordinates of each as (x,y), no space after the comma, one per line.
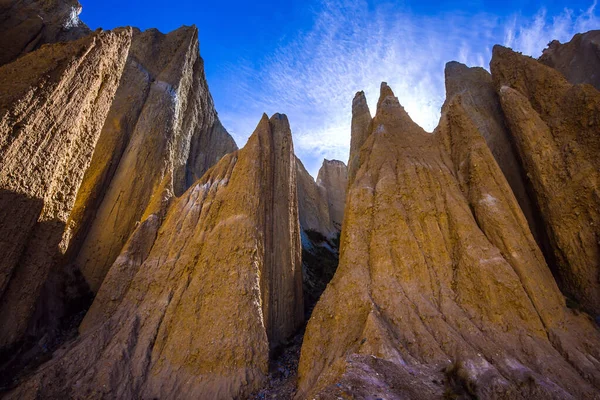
(25,25)
(163,130)
(321,203)
(441,286)
(578,60)
(333,179)
(52,106)
(555,126)
(480,101)
(195,315)
(321,210)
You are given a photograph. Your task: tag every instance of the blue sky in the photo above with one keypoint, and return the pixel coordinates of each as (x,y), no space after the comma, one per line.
(307,58)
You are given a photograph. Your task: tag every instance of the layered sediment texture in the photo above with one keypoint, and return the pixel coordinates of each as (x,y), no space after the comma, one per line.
(456,283)
(555,126)
(25,25)
(194,316)
(163,129)
(53,104)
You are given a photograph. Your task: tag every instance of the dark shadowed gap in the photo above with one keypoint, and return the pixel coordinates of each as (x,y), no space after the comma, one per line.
(320,257)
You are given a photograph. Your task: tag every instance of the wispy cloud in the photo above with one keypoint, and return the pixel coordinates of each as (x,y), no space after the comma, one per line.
(354,46)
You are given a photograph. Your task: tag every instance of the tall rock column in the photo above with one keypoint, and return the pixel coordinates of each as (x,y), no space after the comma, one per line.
(218,287)
(555,126)
(480,101)
(361,125)
(53,103)
(333,180)
(441,289)
(163,130)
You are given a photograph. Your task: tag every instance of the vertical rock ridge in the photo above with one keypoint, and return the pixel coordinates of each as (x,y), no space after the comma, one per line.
(480,101)
(162,132)
(555,128)
(52,107)
(197,317)
(361,121)
(333,179)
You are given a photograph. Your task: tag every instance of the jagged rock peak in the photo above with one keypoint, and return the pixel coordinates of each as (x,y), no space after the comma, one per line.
(194,313)
(163,128)
(578,60)
(386,97)
(391,113)
(460,78)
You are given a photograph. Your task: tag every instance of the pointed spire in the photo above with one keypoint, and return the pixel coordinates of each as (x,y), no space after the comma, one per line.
(386,97)
(360,131)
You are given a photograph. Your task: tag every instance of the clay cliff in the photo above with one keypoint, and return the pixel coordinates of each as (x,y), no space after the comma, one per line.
(53,104)
(578,60)
(555,128)
(321,203)
(454,296)
(145,256)
(195,316)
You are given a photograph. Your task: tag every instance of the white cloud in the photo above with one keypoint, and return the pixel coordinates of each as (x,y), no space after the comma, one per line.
(354,46)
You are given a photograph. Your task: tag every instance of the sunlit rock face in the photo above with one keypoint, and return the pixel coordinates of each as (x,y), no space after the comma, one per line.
(578,60)
(194,314)
(53,104)
(163,130)
(25,25)
(441,287)
(554,126)
(107,133)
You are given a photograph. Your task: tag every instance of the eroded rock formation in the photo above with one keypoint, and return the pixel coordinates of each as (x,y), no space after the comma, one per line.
(25,25)
(578,60)
(321,210)
(360,128)
(196,315)
(163,130)
(441,286)
(333,179)
(52,107)
(481,102)
(313,208)
(555,126)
